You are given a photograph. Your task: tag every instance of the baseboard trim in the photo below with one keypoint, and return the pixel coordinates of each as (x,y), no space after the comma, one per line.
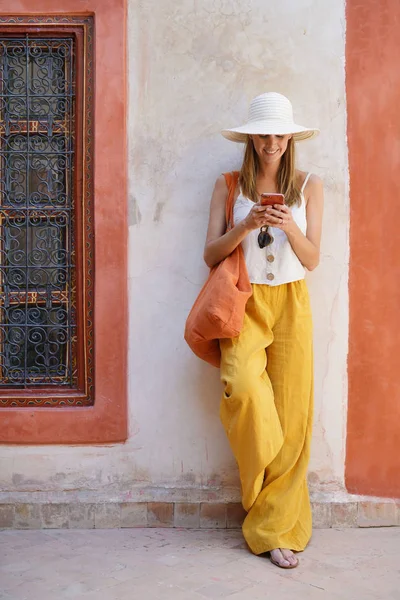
(190,515)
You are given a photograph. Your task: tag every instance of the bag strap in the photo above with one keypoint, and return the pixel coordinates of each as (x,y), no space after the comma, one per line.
(231,182)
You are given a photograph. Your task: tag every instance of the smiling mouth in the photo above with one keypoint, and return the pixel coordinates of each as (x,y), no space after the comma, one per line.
(271,152)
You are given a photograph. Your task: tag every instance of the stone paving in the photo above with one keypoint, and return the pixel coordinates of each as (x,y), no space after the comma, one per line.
(179,564)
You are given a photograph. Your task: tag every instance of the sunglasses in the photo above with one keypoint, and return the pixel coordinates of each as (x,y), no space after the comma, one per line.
(264,238)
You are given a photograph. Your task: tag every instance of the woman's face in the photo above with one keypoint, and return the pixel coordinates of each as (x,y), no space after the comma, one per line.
(270,148)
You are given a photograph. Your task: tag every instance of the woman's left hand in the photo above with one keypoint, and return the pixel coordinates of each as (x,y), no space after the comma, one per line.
(280,216)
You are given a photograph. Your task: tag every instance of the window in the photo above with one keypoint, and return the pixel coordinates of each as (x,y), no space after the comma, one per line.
(92,408)
(46,224)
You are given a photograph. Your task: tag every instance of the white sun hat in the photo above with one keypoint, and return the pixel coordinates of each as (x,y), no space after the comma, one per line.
(272,114)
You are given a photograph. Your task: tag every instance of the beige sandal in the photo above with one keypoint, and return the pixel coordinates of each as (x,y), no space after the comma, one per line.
(275,562)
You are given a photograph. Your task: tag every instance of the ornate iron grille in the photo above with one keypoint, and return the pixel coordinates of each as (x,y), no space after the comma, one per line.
(37,246)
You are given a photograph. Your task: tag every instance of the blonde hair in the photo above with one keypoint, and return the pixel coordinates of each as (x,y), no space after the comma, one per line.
(286,179)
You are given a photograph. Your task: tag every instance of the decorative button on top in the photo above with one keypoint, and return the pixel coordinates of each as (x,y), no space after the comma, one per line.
(270,258)
(270,276)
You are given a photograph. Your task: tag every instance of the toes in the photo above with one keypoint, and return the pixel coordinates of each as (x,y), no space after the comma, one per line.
(278,557)
(289,556)
(285,562)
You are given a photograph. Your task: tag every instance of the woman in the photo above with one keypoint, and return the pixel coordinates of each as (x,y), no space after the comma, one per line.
(267,371)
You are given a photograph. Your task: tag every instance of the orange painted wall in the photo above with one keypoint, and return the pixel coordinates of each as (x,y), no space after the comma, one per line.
(106,421)
(373,105)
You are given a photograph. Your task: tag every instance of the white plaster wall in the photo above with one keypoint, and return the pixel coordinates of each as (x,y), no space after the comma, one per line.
(193,67)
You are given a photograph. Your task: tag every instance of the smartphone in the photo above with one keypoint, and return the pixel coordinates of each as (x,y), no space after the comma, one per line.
(269,199)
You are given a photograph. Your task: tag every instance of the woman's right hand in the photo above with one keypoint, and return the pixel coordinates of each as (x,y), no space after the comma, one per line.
(256,218)
(220,243)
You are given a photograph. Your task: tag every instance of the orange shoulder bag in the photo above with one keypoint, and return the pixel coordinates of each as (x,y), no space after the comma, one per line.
(218,311)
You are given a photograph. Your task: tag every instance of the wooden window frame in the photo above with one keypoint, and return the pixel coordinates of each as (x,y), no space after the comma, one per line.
(83,393)
(106,420)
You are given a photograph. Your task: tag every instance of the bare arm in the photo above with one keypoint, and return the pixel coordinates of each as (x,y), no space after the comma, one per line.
(218,243)
(306,247)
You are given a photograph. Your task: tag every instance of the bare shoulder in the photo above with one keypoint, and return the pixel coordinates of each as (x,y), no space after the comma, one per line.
(220,191)
(220,185)
(300,177)
(313,181)
(313,192)
(217,220)
(314,196)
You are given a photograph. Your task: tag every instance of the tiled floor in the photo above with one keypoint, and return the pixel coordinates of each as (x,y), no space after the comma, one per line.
(150,564)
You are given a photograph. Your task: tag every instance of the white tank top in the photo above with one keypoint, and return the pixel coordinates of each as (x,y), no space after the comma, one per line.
(277,263)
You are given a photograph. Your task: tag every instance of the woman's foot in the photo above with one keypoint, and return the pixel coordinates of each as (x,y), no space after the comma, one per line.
(283,558)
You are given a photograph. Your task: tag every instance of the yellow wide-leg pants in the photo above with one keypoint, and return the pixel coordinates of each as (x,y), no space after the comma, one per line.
(266,410)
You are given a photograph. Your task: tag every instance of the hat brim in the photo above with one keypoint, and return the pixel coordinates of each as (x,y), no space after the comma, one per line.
(240,134)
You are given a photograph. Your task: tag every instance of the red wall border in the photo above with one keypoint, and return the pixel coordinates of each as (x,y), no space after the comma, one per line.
(106,421)
(373,100)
